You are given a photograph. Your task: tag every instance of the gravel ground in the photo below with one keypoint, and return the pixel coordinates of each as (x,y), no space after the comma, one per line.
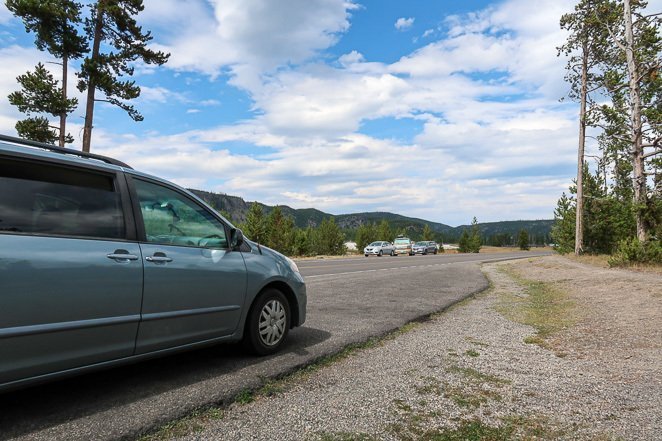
(599,379)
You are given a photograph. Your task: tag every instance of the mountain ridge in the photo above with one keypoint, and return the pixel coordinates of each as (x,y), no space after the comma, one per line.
(237,208)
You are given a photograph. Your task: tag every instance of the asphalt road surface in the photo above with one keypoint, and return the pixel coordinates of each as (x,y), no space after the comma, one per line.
(349,301)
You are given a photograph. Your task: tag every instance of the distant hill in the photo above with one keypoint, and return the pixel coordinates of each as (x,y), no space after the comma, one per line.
(504,232)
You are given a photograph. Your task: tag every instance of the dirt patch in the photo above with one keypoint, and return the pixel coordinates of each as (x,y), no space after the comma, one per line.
(620,312)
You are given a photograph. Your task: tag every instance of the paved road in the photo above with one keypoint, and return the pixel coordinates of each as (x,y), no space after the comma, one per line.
(313,268)
(350,300)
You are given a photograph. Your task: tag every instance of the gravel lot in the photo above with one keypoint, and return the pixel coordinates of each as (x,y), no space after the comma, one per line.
(469,370)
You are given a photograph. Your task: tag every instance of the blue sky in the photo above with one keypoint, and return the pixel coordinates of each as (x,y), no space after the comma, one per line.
(442,110)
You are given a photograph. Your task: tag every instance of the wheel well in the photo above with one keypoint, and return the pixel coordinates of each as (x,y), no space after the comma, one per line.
(289,295)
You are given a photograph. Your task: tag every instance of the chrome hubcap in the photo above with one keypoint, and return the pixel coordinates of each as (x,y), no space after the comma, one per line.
(272,323)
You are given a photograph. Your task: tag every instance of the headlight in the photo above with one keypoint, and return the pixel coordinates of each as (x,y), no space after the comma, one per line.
(292,264)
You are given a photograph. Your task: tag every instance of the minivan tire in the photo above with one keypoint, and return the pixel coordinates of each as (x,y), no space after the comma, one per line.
(271,313)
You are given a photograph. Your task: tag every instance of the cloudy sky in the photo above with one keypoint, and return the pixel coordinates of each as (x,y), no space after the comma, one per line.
(442,110)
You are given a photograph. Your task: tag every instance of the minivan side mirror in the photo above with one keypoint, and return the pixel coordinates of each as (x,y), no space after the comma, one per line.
(236,238)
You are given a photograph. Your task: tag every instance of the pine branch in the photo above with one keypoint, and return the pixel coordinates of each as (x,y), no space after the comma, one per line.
(651,154)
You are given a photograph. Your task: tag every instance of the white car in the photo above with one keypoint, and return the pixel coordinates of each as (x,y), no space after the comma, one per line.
(379,248)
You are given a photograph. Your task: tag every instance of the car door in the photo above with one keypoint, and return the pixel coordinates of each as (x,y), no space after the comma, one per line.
(70,268)
(194,285)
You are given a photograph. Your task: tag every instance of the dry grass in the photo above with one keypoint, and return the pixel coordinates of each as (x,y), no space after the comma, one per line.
(602,261)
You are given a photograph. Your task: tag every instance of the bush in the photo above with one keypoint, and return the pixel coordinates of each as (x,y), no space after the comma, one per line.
(631,251)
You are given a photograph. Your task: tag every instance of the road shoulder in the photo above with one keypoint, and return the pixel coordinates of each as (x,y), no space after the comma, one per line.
(470,371)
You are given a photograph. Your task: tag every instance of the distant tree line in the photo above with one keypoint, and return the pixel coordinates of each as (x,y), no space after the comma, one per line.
(278,232)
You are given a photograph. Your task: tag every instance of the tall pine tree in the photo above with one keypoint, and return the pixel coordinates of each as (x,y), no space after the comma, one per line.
(54,23)
(113,25)
(40,94)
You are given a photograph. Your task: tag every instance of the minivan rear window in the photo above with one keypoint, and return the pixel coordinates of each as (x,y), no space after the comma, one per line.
(40,198)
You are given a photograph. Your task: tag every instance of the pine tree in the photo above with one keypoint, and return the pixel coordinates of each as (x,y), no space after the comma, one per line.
(40,94)
(54,23)
(302,242)
(523,240)
(464,246)
(113,25)
(632,120)
(475,241)
(328,239)
(280,231)
(585,47)
(427,233)
(563,230)
(255,227)
(365,234)
(384,231)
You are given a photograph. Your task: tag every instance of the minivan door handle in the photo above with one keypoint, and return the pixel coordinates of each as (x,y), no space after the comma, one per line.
(158,257)
(121,256)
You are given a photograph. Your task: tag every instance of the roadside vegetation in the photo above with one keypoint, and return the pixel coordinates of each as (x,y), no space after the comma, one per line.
(615,204)
(541,305)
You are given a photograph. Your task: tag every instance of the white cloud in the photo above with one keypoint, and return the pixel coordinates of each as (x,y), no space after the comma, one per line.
(474,139)
(246,36)
(491,135)
(5,15)
(161,95)
(403,23)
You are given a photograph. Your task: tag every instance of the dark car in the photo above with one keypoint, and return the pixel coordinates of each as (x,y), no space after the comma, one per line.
(424,247)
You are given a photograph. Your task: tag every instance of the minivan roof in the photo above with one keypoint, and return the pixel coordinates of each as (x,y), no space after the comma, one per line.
(35,148)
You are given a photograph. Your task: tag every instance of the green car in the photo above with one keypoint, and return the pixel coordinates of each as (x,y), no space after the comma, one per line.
(102,265)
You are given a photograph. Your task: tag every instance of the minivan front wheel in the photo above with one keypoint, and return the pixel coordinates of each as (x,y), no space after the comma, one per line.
(268,323)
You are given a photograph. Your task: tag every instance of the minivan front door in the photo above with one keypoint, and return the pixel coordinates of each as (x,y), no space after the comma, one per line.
(194,286)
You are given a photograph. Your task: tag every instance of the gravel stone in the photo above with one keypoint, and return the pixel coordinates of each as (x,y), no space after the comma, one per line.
(607,383)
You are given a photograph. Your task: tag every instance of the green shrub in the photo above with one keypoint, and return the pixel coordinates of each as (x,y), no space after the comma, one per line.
(633,251)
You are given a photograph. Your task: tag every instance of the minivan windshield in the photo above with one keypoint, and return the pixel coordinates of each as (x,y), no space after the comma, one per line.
(402,241)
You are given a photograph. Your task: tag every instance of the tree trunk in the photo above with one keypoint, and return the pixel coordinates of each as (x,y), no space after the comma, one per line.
(91,86)
(63,114)
(639,178)
(579,215)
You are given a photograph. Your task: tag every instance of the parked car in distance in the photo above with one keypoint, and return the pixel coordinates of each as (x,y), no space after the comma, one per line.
(425,247)
(102,265)
(379,248)
(403,245)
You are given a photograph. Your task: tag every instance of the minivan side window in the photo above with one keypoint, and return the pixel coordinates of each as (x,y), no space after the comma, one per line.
(41,198)
(170,218)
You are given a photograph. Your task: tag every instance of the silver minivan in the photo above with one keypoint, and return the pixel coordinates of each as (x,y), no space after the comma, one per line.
(102,265)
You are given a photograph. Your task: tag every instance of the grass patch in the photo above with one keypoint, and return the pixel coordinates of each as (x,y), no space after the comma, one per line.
(430,386)
(469,431)
(599,260)
(545,307)
(473,341)
(246,396)
(344,436)
(472,353)
(476,375)
(509,429)
(470,397)
(193,423)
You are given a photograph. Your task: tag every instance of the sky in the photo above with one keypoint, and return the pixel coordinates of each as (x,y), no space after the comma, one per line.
(441,110)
